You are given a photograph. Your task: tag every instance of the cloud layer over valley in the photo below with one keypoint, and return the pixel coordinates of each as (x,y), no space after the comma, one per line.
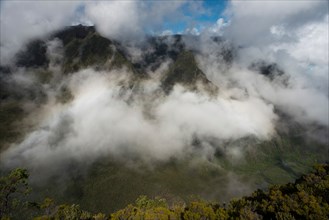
(104,118)
(268,62)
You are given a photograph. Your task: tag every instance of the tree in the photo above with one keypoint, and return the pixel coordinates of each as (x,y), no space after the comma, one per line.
(13,188)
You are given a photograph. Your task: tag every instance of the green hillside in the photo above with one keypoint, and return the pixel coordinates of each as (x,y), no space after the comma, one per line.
(306,198)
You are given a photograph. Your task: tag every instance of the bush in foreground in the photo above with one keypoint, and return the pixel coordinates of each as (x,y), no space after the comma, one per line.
(307,198)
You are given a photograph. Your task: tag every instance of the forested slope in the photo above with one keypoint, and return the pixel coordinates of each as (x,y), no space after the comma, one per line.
(306,198)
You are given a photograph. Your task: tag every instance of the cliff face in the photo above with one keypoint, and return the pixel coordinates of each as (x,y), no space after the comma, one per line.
(83,47)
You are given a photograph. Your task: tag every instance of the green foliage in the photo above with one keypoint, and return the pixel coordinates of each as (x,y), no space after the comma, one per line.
(280,160)
(143,202)
(146,208)
(13,188)
(67,212)
(180,179)
(307,198)
(199,210)
(89,51)
(185,71)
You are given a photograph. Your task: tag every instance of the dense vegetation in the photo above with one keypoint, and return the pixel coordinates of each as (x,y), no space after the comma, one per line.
(307,198)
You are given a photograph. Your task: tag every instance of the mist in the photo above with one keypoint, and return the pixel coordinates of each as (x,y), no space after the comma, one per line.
(105,118)
(270,71)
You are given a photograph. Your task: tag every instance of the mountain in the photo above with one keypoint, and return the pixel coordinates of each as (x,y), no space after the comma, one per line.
(84,47)
(76,79)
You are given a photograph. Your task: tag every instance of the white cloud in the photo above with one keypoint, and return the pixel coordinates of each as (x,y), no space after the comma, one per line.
(131,20)
(22,21)
(293,35)
(115,19)
(119,20)
(166,33)
(251,21)
(305,97)
(219,27)
(311,44)
(192,31)
(100,121)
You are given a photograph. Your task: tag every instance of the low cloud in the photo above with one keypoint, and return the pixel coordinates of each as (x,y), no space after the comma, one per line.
(254,19)
(125,21)
(102,120)
(22,22)
(106,118)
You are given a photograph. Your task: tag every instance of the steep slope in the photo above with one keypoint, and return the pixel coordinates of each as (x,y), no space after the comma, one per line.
(185,71)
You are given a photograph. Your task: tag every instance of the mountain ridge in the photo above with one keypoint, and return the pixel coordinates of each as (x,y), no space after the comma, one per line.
(164,81)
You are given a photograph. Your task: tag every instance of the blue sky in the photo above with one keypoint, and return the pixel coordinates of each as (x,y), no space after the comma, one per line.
(213,11)
(208,14)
